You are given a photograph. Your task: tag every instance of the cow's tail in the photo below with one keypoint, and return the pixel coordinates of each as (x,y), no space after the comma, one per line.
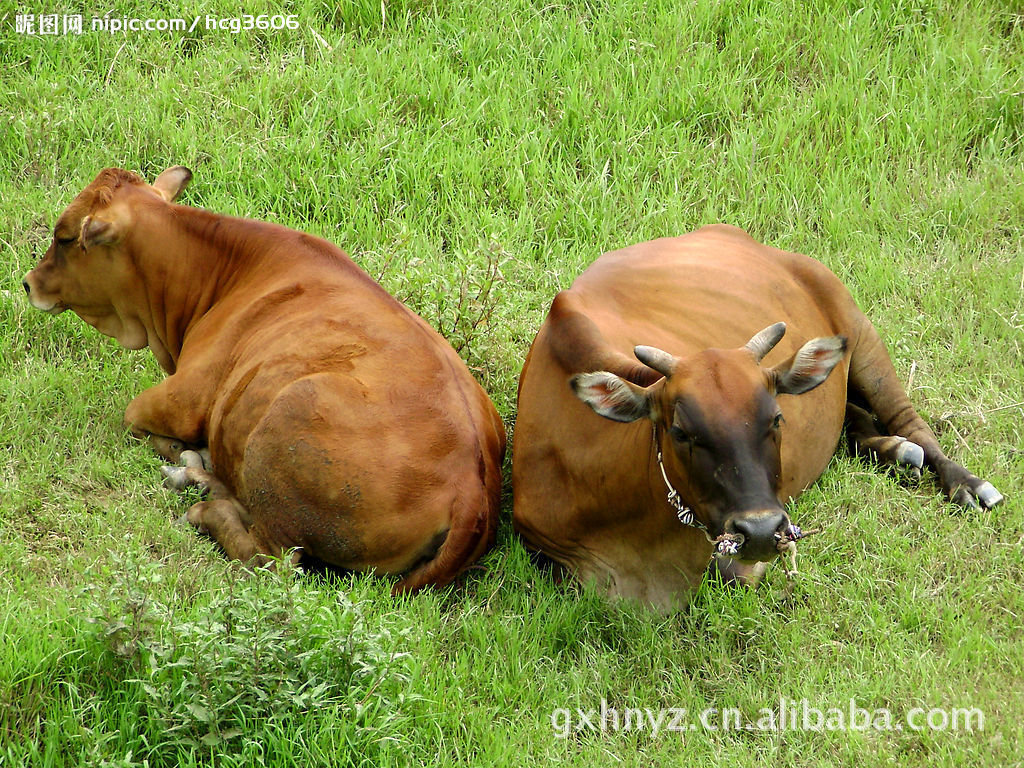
(474,524)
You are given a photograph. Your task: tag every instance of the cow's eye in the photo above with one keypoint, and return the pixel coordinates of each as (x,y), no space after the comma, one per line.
(679,435)
(682,436)
(777,421)
(66,241)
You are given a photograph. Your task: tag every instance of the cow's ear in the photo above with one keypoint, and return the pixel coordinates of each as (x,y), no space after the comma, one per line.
(810,366)
(611,396)
(98,230)
(172,182)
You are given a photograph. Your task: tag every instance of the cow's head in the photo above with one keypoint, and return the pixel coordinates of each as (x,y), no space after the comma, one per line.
(86,268)
(720,427)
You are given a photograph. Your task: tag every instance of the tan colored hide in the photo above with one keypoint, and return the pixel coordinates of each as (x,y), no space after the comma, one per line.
(336,420)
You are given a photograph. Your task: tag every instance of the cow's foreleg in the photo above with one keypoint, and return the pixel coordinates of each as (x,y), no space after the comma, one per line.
(169,421)
(872,375)
(168,448)
(865,439)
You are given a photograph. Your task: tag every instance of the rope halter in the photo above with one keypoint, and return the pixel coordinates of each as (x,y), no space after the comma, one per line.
(683,512)
(728,544)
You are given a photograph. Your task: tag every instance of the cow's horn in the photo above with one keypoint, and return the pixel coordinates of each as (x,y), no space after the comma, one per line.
(764,341)
(655,358)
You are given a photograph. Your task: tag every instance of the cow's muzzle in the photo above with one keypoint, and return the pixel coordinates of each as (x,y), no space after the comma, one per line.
(54,306)
(759,533)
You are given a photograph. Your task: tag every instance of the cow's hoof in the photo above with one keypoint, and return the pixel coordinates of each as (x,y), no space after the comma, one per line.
(964,498)
(985,493)
(910,454)
(175,478)
(191,517)
(192,459)
(910,472)
(988,495)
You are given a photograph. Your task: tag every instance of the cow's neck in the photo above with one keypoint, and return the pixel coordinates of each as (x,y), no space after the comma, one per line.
(199,258)
(204,257)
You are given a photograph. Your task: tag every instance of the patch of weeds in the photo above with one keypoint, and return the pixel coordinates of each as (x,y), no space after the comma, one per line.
(457,300)
(262,651)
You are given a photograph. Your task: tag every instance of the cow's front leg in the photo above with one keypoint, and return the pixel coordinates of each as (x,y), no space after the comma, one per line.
(168,448)
(171,423)
(872,375)
(866,440)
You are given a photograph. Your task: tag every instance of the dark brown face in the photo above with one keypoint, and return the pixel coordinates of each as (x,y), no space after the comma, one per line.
(720,428)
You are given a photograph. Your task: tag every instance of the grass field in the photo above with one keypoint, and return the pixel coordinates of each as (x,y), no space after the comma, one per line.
(448,146)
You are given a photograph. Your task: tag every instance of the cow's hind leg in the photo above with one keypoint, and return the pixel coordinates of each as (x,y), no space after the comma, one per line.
(866,440)
(221,515)
(873,377)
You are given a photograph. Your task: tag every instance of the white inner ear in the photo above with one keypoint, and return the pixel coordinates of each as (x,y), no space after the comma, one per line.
(611,396)
(172,182)
(812,365)
(818,357)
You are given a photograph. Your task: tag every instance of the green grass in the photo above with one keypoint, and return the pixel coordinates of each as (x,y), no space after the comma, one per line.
(436,141)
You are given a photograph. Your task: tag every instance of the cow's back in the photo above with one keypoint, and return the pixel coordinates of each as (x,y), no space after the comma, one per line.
(712,288)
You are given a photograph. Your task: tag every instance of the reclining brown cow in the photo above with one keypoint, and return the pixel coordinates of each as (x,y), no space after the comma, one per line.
(725,419)
(336,420)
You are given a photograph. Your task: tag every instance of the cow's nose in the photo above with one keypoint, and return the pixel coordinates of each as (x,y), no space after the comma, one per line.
(26,286)
(758,530)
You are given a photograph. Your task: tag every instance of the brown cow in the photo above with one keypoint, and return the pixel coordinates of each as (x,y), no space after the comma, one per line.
(337,421)
(743,424)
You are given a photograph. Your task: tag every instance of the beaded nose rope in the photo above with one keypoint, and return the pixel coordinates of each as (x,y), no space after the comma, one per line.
(728,544)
